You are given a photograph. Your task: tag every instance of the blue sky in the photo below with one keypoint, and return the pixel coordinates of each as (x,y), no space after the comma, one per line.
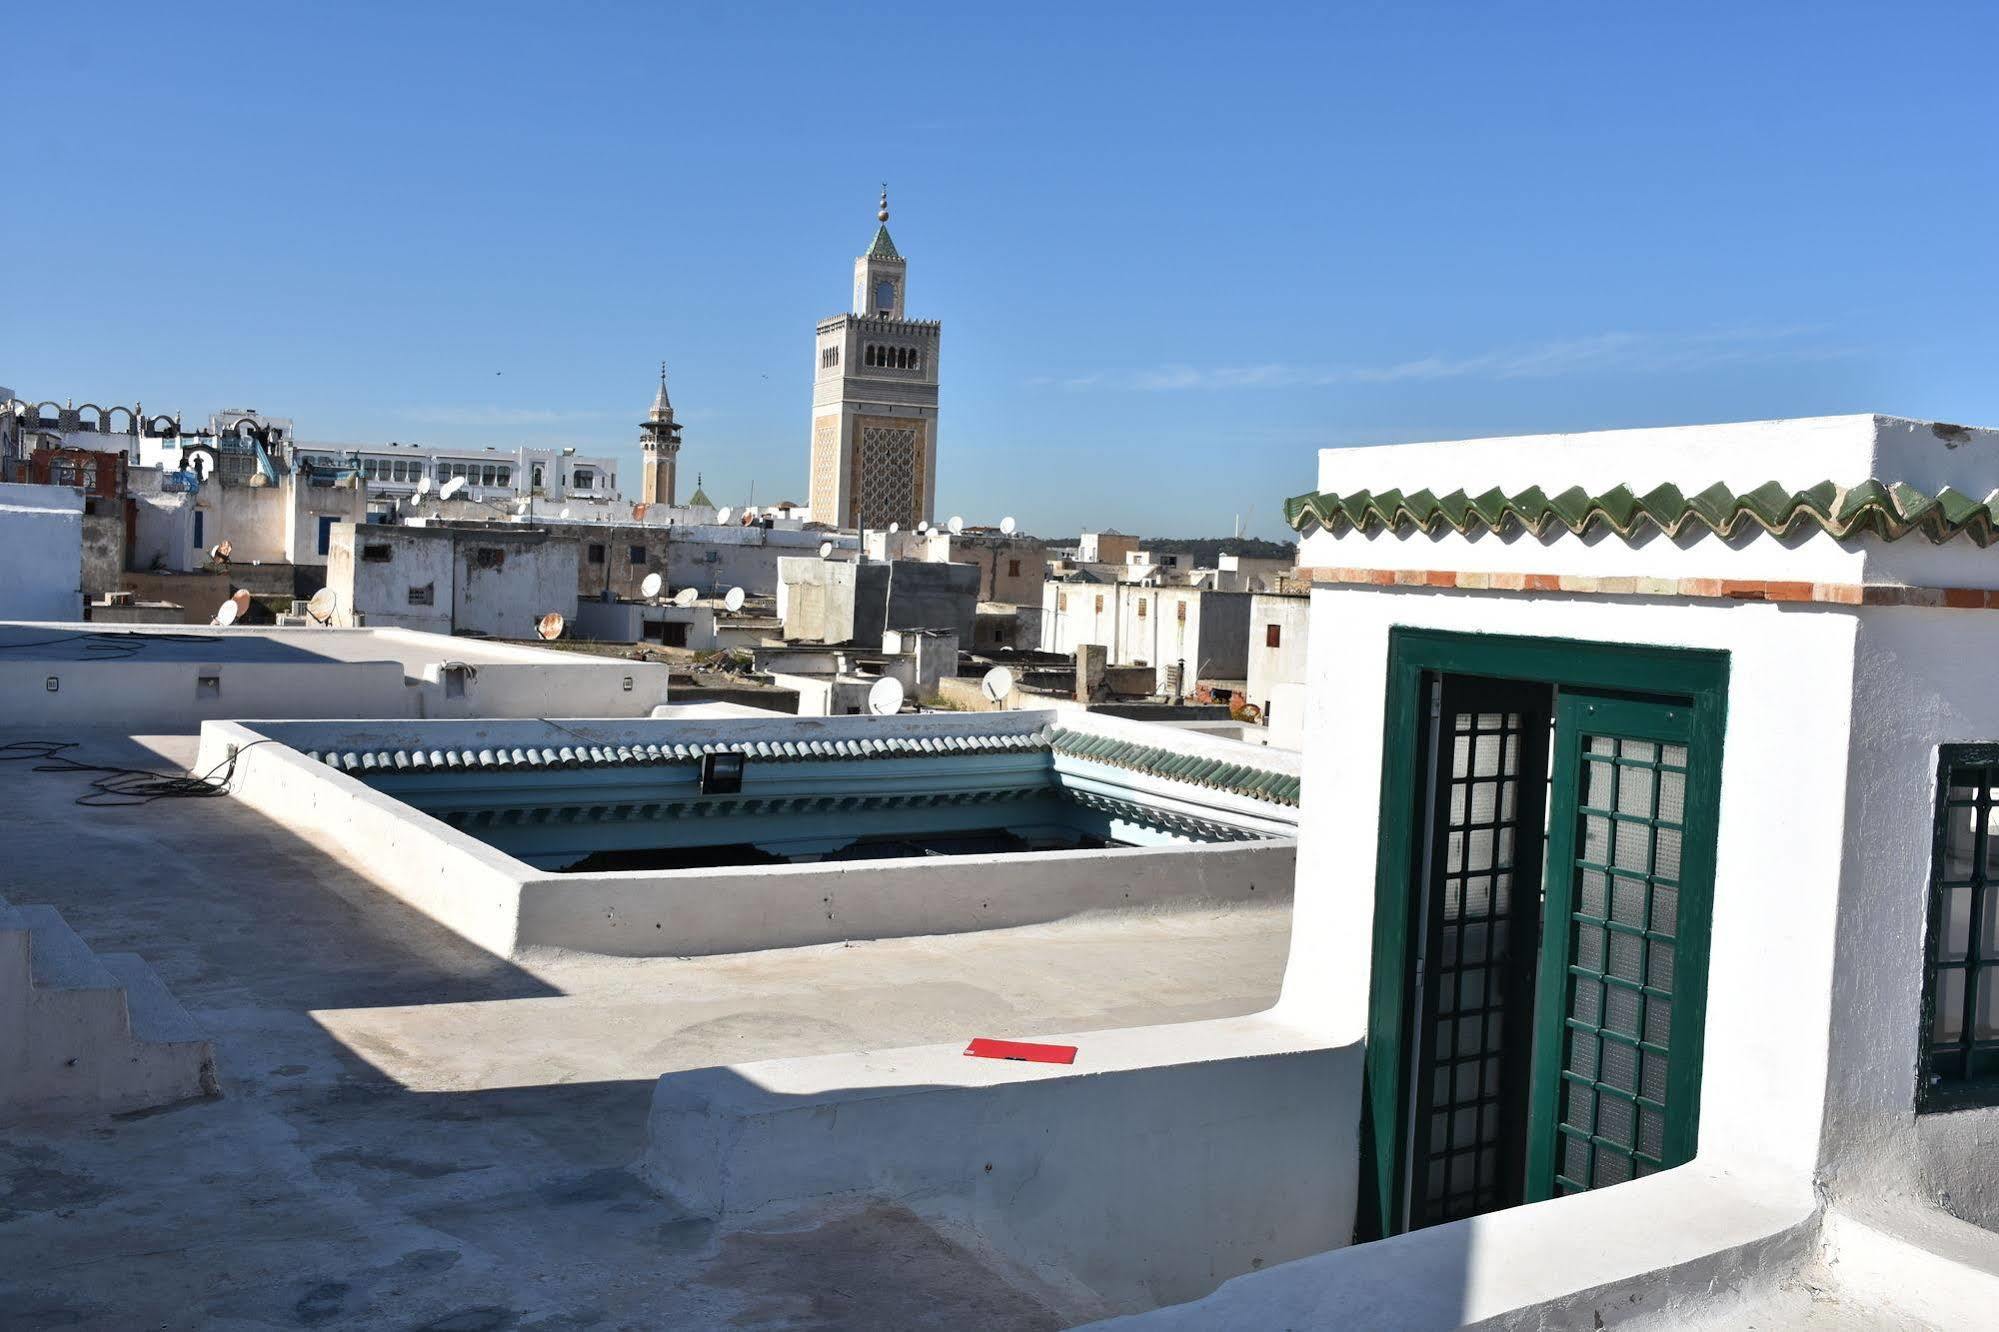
(1175,249)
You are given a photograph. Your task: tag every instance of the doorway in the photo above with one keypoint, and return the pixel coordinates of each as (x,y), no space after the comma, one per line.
(1542,907)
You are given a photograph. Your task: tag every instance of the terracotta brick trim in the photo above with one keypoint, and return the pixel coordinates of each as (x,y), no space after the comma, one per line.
(1708,589)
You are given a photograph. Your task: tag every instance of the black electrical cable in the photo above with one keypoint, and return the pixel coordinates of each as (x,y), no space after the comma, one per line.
(106,645)
(115,787)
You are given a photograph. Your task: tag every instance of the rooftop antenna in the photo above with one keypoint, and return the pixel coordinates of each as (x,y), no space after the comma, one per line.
(225,614)
(825,550)
(1008,526)
(893,528)
(996,685)
(733,601)
(550,626)
(687,596)
(423,484)
(923,527)
(885,697)
(956,524)
(322,605)
(649,588)
(451,487)
(722,515)
(564,513)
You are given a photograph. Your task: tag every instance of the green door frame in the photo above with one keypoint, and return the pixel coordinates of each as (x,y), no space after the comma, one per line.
(1698,675)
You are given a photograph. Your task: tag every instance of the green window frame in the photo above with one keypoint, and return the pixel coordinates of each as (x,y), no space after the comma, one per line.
(1698,680)
(1959,1067)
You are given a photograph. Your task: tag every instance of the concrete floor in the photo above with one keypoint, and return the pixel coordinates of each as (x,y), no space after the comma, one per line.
(416,1134)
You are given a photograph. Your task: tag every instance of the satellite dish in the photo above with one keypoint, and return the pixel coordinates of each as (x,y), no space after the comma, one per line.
(722,515)
(750,512)
(687,596)
(550,626)
(733,600)
(956,524)
(564,513)
(825,549)
(639,512)
(1008,526)
(324,602)
(650,585)
(893,528)
(225,614)
(885,697)
(423,485)
(451,487)
(923,526)
(522,505)
(997,684)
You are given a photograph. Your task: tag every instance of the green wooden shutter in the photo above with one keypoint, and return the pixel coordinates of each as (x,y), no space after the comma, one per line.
(1624,950)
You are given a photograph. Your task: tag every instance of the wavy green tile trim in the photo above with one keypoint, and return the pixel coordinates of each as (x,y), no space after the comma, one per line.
(1889,510)
(1237,779)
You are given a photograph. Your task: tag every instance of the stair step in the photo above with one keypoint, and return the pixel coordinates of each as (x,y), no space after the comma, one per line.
(58,956)
(155,1014)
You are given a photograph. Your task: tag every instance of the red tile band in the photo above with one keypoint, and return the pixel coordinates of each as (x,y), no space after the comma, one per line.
(985,1048)
(1728,589)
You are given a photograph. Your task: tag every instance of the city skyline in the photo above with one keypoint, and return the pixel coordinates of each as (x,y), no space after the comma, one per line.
(1360,226)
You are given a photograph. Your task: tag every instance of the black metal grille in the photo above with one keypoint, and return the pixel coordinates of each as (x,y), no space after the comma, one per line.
(1962,991)
(1484,902)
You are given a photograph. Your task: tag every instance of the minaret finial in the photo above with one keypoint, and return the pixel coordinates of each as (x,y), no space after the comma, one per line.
(662,374)
(883,214)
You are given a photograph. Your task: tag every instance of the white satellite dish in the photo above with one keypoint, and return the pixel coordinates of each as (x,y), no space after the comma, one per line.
(825,549)
(722,514)
(324,602)
(649,586)
(451,487)
(687,596)
(956,524)
(523,505)
(225,614)
(564,513)
(1008,526)
(885,696)
(893,528)
(550,626)
(923,526)
(997,684)
(423,485)
(732,601)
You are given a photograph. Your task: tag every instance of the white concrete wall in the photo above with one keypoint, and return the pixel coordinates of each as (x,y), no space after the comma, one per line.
(376,593)
(41,529)
(533,579)
(738,909)
(455,879)
(1920,680)
(735,909)
(167,697)
(1274,672)
(163,534)
(1129,1169)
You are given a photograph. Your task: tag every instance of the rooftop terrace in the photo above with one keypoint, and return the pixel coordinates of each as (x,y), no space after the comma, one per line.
(415,1133)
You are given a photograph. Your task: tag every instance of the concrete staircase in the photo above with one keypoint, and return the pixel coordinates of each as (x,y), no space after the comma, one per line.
(87,1033)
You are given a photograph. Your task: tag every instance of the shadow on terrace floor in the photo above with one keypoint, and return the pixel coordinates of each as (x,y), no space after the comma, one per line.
(229,906)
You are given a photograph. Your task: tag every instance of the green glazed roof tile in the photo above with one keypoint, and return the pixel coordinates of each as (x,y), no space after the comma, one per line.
(1195,769)
(1890,511)
(883,248)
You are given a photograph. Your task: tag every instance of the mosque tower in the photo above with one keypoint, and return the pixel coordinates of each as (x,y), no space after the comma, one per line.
(659,444)
(874,400)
